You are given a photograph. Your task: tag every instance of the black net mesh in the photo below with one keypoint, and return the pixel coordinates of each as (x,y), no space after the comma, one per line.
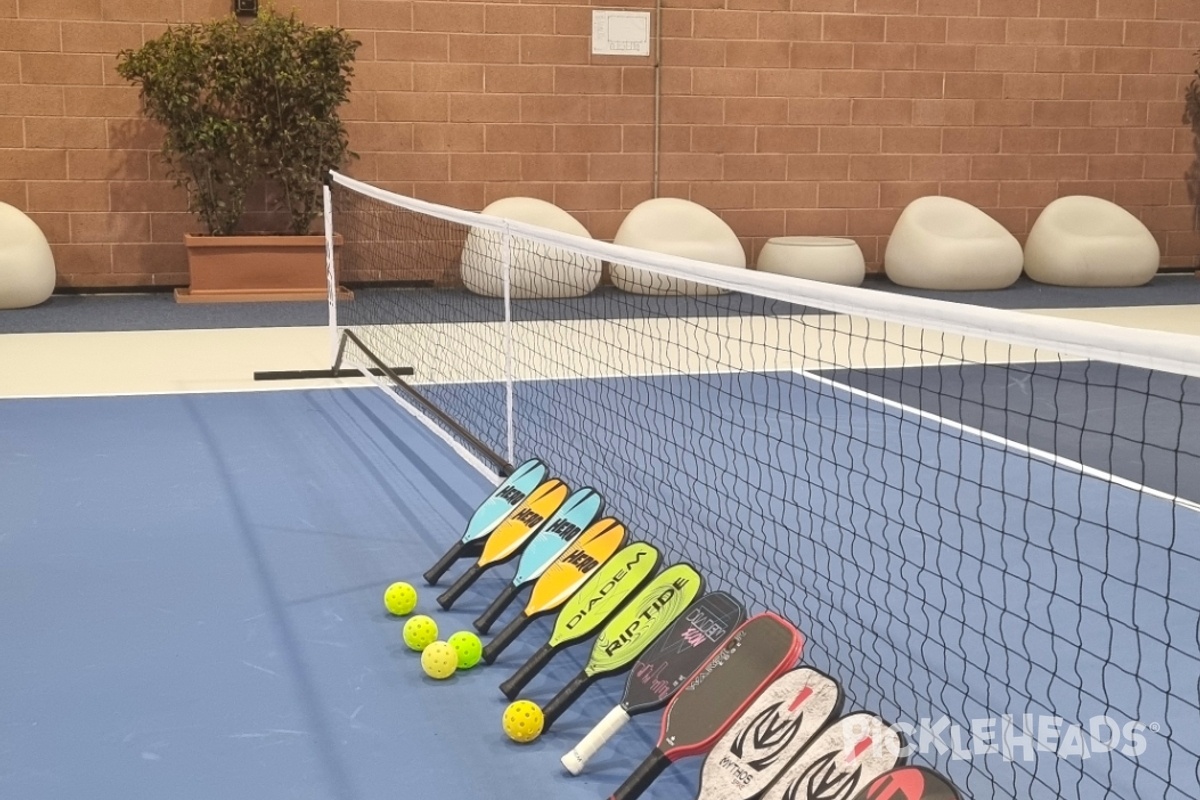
(995,547)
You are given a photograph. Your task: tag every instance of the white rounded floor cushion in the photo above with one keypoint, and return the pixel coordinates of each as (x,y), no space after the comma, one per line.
(26,264)
(1087,241)
(817,258)
(944,243)
(537,270)
(677,227)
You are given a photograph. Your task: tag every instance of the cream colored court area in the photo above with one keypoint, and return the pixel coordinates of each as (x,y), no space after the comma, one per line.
(157,362)
(176,361)
(1169,319)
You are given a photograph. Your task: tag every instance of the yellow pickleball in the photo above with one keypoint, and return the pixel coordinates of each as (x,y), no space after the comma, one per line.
(400,598)
(420,632)
(439,660)
(468,647)
(523,721)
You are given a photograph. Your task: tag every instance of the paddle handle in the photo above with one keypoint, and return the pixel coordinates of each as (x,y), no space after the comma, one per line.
(590,744)
(488,618)
(524,674)
(504,638)
(447,598)
(642,777)
(565,697)
(435,573)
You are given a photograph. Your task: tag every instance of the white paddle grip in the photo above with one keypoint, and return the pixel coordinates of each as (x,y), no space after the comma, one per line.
(589,745)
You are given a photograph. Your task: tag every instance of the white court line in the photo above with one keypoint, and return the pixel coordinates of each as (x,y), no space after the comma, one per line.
(204,362)
(127,363)
(713,343)
(1008,444)
(953,354)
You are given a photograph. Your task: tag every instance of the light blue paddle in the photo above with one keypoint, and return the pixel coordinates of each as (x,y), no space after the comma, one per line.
(491,513)
(557,534)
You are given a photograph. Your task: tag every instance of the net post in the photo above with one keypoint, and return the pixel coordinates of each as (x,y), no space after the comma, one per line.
(330,271)
(339,350)
(506,275)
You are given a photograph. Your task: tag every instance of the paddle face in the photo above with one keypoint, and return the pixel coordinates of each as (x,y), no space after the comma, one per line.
(909,783)
(569,571)
(716,694)
(772,731)
(672,658)
(507,496)
(557,534)
(846,756)
(515,529)
(610,585)
(646,616)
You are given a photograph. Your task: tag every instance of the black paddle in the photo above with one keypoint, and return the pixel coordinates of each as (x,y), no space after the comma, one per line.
(663,667)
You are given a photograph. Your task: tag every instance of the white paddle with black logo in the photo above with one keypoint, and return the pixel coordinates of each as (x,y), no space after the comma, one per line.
(772,732)
(847,755)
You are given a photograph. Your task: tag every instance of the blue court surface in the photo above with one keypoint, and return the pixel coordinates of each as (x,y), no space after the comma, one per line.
(939,572)
(191,589)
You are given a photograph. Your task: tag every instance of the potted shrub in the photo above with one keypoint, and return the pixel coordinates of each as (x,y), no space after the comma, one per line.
(241,104)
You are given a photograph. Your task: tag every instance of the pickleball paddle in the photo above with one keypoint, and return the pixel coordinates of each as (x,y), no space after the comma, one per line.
(561,580)
(663,667)
(589,608)
(629,632)
(490,513)
(555,535)
(847,755)
(909,783)
(510,535)
(771,732)
(717,693)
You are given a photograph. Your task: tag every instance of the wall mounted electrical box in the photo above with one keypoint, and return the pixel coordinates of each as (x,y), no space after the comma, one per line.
(620,33)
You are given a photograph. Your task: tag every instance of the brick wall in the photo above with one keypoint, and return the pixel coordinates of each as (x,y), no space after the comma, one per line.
(785,116)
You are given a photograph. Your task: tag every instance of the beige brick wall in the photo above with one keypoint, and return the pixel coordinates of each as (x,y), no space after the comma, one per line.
(785,116)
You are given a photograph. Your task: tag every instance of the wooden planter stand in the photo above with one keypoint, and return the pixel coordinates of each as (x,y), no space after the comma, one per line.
(248,269)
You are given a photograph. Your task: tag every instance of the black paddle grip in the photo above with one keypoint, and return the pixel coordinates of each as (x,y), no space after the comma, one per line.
(488,618)
(565,697)
(524,674)
(435,573)
(642,777)
(504,638)
(447,598)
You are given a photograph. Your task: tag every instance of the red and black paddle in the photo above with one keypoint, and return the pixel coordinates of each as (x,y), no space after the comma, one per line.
(717,694)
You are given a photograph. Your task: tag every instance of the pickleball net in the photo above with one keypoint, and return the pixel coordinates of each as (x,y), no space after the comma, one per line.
(987,523)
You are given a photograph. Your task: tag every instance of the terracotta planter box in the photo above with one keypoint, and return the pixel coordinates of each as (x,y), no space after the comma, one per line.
(233,269)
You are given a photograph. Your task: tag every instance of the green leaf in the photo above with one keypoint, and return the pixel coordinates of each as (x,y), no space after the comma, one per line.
(242,103)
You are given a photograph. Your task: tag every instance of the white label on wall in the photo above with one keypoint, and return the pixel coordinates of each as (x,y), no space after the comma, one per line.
(620,33)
